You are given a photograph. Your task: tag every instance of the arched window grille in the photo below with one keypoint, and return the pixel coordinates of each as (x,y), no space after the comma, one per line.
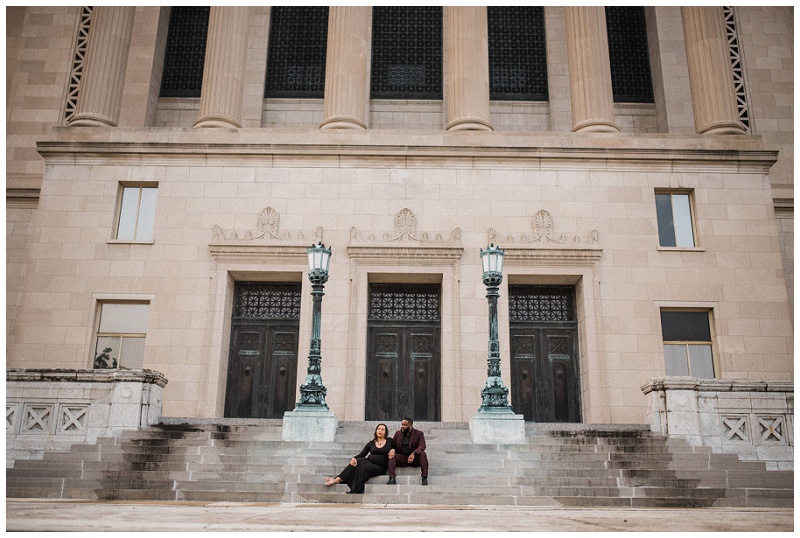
(406,53)
(630,60)
(517,56)
(298,44)
(185,53)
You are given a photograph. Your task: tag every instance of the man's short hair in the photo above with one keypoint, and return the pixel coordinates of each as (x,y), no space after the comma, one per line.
(410,420)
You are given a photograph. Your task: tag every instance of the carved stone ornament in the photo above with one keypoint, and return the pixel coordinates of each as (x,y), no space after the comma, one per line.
(405,231)
(267,230)
(543,234)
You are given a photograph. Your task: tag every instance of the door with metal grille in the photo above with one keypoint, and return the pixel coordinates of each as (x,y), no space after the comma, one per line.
(403,353)
(545,384)
(262,369)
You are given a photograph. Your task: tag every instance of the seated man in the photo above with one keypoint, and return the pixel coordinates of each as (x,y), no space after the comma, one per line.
(409,451)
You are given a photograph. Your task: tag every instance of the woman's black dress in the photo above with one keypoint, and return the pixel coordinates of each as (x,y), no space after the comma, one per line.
(375,464)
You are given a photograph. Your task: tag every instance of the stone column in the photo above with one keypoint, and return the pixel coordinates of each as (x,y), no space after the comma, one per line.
(346,68)
(100,94)
(224,68)
(710,71)
(589,70)
(467,69)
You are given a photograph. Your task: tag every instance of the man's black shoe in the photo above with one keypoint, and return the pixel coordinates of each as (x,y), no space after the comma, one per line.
(391,481)
(424,480)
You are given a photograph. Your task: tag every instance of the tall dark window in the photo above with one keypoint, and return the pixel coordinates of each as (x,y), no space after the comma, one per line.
(406,53)
(517,59)
(185,53)
(630,59)
(298,44)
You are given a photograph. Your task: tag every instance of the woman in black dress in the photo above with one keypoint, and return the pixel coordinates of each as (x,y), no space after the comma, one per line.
(363,467)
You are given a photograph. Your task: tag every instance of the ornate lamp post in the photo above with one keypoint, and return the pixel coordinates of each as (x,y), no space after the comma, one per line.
(312,392)
(494,396)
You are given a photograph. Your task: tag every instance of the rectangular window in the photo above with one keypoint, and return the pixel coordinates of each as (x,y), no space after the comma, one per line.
(406,53)
(517,57)
(687,343)
(137,212)
(631,80)
(298,45)
(120,335)
(185,52)
(675,222)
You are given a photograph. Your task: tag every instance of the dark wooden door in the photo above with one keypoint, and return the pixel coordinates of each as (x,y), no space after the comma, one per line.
(545,383)
(403,354)
(262,368)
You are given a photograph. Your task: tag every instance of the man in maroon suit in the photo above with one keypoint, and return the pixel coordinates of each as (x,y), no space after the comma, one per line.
(409,450)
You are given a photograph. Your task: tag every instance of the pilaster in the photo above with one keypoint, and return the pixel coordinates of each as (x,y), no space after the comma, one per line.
(710,71)
(468,69)
(100,94)
(224,70)
(589,70)
(345,104)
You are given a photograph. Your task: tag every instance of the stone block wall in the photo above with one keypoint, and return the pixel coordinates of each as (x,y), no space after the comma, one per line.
(754,419)
(54,409)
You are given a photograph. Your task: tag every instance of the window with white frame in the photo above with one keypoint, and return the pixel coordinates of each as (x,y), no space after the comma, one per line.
(137,212)
(675,221)
(687,343)
(120,335)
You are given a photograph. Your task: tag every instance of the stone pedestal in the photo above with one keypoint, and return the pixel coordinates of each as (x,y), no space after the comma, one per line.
(309,425)
(497,428)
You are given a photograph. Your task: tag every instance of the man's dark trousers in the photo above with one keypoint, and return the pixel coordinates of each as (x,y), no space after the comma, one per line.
(417,447)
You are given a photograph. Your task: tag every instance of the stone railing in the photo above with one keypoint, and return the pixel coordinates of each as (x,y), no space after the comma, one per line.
(52,409)
(751,418)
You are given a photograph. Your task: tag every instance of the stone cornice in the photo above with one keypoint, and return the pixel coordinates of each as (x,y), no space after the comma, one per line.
(717,385)
(80,376)
(407,148)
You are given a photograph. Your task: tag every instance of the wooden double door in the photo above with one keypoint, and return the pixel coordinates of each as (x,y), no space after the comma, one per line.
(262,368)
(545,383)
(403,353)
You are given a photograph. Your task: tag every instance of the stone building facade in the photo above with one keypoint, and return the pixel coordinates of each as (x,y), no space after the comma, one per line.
(644,238)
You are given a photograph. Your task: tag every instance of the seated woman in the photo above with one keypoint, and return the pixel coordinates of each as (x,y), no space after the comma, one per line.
(362,467)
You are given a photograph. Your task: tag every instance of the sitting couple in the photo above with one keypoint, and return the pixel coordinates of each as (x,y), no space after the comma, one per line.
(406,448)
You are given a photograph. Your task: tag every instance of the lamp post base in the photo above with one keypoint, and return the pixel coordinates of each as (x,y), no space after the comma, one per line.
(304,424)
(493,428)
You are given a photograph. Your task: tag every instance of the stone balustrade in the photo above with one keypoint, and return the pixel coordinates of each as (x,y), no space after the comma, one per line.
(751,418)
(51,409)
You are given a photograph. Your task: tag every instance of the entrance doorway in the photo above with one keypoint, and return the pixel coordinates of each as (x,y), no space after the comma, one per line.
(403,352)
(262,369)
(545,385)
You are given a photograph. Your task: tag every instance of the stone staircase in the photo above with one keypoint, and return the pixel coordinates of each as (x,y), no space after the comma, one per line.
(561,465)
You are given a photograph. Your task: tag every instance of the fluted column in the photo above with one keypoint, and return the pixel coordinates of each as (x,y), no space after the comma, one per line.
(345,104)
(467,69)
(710,72)
(100,93)
(589,70)
(224,68)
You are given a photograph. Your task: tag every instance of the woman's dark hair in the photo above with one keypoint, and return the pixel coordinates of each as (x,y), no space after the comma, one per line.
(385,428)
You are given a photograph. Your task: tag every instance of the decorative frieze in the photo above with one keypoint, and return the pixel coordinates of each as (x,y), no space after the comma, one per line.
(405,231)
(267,229)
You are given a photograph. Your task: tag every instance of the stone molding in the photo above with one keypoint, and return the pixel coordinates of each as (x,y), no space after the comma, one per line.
(751,418)
(405,232)
(542,246)
(266,242)
(52,409)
